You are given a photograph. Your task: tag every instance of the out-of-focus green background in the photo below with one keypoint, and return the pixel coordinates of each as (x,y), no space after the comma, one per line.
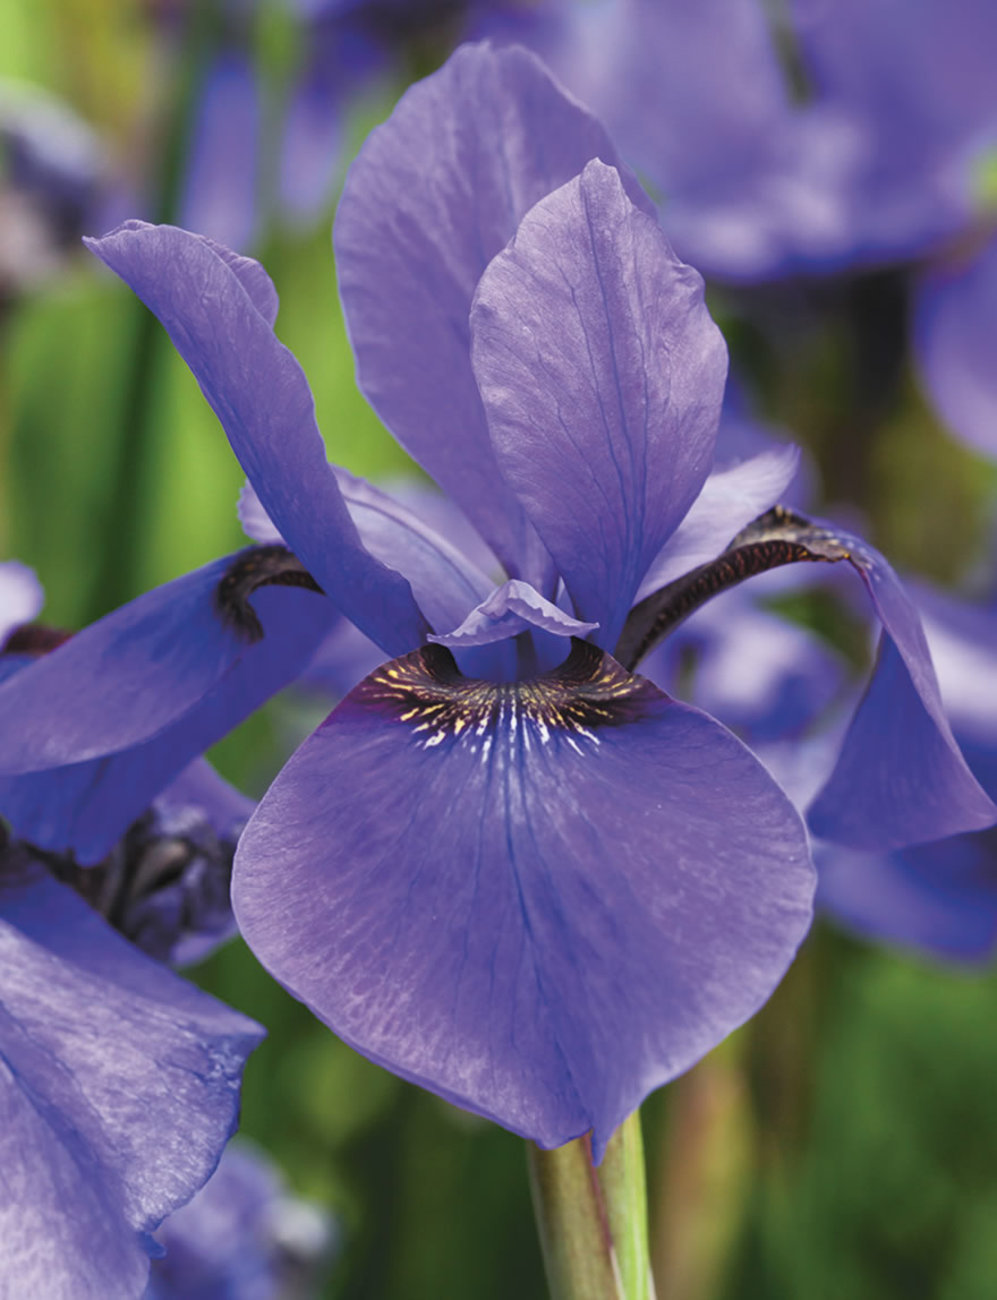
(848,1137)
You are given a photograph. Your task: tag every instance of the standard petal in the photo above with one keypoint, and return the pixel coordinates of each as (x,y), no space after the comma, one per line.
(730,499)
(261,396)
(900,778)
(602,376)
(75,710)
(119,1088)
(954,324)
(540,900)
(434,194)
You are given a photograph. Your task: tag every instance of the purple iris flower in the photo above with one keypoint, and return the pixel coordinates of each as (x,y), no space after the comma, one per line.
(846,135)
(119,1082)
(506,867)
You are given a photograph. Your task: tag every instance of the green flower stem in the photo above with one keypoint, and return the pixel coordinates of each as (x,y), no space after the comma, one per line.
(593,1220)
(624,1191)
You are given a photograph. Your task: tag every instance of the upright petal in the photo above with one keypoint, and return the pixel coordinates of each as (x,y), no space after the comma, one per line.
(552,896)
(261,396)
(434,194)
(602,376)
(118,1087)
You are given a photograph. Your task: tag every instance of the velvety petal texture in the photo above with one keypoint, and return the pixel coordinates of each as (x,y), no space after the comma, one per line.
(602,376)
(901,777)
(433,195)
(118,1087)
(261,396)
(548,900)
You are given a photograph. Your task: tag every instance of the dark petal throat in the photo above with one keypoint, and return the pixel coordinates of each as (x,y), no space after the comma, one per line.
(251,569)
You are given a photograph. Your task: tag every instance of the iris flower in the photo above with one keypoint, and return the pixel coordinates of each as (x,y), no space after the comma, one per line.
(506,866)
(835,138)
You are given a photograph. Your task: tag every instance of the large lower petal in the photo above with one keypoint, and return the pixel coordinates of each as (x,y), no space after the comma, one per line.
(539,900)
(260,394)
(433,195)
(602,376)
(119,1087)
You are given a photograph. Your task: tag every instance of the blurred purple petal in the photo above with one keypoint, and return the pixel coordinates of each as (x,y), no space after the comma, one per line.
(602,376)
(547,901)
(21,597)
(119,1086)
(261,396)
(434,194)
(242,1237)
(221,191)
(940,898)
(954,326)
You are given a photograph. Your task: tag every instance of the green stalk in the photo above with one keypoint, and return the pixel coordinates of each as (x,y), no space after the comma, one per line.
(118,567)
(593,1220)
(624,1191)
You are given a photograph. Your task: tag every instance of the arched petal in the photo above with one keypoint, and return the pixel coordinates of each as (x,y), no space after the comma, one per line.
(119,1086)
(900,778)
(731,497)
(261,396)
(602,376)
(434,194)
(539,900)
(85,806)
(954,324)
(512,608)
